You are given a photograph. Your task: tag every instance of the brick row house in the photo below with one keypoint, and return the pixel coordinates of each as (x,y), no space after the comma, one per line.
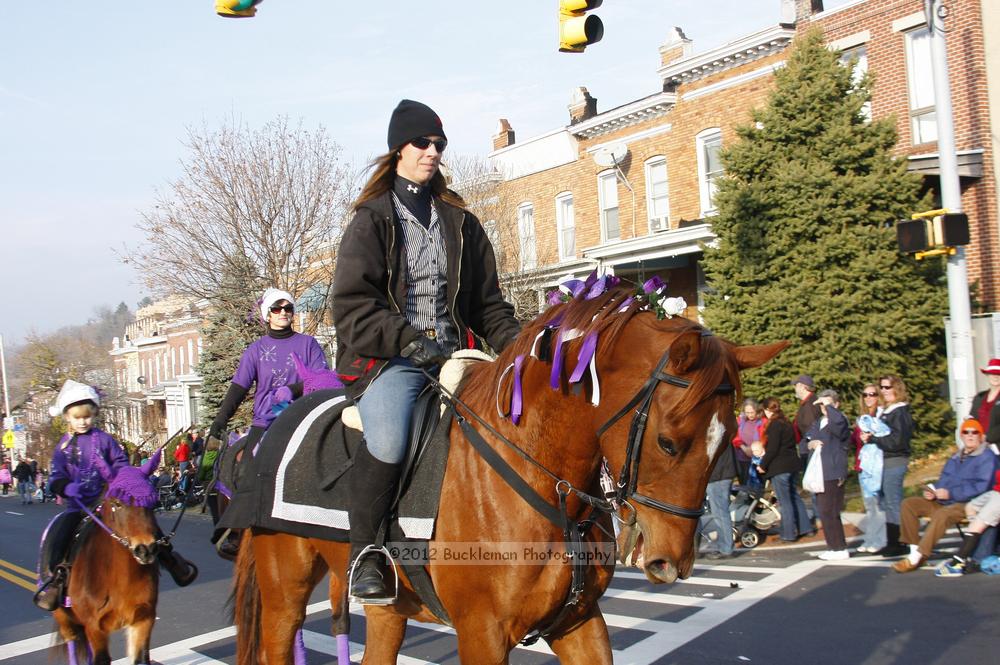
(630,189)
(154,370)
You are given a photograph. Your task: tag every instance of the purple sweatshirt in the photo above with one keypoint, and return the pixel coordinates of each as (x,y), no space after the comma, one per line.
(268,362)
(74,462)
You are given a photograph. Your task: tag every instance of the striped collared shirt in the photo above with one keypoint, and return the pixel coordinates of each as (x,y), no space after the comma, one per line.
(426,276)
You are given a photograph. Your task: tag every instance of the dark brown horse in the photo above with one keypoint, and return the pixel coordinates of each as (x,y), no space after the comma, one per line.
(114,583)
(684,379)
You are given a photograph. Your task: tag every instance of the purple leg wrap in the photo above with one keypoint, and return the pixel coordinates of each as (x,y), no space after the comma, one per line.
(71,648)
(300,648)
(343,650)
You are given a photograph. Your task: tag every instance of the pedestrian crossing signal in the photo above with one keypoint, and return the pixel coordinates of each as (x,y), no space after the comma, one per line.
(576,29)
(236,8)
(932,233)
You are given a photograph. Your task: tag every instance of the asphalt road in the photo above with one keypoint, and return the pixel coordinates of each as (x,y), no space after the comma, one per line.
(774,606)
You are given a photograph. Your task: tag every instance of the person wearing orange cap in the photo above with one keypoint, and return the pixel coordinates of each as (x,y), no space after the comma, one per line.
(984,404)
(969,473)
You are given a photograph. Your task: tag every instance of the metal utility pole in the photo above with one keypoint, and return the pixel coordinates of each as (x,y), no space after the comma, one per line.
(961,363)
(6,397)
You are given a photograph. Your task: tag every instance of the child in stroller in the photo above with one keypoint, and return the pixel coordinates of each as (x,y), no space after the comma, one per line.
(754,512)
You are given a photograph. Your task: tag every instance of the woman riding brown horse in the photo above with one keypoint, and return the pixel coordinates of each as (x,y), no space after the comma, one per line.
(659,425)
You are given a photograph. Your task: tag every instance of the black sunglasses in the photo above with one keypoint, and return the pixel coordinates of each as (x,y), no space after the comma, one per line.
(886,387)
(277,308)
(970,431)
(870,394)
(422,143)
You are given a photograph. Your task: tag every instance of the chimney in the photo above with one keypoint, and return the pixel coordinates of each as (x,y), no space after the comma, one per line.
(676,47)
(806,8)
(582,106)
(504,136)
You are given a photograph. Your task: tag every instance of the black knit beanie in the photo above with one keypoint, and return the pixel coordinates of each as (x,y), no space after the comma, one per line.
(411,119)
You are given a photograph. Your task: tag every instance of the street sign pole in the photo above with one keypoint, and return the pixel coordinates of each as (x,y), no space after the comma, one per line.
(961,364)
(6,397)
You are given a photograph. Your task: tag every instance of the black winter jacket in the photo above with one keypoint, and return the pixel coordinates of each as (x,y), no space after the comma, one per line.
(781,455)
(369,290)
(993,431)
(897,442)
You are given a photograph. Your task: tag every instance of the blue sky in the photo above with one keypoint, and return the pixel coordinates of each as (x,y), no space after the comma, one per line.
(95,99)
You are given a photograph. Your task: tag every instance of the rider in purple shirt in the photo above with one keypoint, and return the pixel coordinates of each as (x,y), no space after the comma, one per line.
(77,478)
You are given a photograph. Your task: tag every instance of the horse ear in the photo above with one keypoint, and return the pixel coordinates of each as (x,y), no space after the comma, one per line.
(104,469)
(755,356)
(152,463)
(685,351)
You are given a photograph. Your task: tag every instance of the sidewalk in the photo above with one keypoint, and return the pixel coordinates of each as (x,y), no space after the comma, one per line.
(850,520)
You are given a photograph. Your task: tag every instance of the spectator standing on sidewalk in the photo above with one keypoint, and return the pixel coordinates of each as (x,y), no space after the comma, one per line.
(984,405)
(182,454)
(781,464)
(720,485)
(868,464)
(831,436)
(749,428)
(969,473)
(895,448)
(5,478)
(807,414)
(24,478)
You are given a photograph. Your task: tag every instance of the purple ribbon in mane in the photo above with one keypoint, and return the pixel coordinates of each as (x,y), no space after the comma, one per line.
(517,396)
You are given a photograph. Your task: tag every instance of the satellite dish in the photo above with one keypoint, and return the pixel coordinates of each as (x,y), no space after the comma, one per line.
(610,155)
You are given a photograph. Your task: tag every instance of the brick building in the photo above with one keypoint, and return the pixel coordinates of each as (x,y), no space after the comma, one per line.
(630,188)
(154,369)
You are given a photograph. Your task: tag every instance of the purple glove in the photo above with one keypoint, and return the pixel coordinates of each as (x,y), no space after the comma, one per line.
(72,491)
(283,394)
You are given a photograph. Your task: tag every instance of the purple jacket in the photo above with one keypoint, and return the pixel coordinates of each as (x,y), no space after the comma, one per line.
(268,363)
(74,462)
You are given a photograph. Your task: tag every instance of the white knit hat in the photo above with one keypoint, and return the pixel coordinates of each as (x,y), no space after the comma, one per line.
(271,296)
(71,393)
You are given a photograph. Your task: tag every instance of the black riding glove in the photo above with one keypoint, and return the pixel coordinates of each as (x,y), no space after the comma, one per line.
(424,352)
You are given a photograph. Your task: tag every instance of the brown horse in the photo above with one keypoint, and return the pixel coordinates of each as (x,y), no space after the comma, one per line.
(114,582)
(674,371)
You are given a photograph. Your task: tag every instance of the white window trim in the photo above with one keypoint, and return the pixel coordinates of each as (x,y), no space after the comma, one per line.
(522,244)
(561,225)
(647,168)
(707,206)
(911,82)
(600,204)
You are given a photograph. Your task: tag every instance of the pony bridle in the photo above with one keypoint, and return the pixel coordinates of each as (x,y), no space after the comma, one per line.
(117,537)
(628,478)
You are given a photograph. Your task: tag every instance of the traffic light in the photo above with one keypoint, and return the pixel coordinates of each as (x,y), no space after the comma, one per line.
(236,8)
(576,29)
(931,233)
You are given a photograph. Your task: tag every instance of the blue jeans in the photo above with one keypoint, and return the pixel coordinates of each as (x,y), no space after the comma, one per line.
(718,503)
(794,517)
(892,491)
(874,523)
(387,408)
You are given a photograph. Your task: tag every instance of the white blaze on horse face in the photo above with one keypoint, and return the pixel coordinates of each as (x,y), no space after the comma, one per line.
(713,437)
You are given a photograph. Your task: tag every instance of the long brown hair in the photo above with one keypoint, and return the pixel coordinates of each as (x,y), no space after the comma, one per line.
(898,388)
(384,175)
(862,409)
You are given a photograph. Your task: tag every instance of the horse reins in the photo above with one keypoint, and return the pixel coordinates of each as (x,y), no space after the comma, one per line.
(624,492)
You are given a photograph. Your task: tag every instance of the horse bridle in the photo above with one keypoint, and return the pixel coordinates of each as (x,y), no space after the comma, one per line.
(117,537)
(628,478)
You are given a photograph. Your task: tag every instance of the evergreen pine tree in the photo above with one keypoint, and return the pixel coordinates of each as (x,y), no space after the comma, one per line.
(807,251)
(232,324)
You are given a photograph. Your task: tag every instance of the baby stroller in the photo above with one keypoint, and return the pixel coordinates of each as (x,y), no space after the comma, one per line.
(754,513)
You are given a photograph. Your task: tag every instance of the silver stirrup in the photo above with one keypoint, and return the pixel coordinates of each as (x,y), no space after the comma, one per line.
(387,600)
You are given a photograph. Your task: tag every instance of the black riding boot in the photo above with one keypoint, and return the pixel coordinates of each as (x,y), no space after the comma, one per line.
(372,488)
(183,571)
(49,597)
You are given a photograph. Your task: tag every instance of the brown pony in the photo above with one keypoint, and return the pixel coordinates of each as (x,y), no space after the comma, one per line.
(115,577)
(691,379)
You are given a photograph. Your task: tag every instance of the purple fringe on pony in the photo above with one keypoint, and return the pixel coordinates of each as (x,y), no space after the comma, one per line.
(132,487)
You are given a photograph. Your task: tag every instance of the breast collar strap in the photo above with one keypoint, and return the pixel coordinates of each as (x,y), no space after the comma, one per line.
(629,476)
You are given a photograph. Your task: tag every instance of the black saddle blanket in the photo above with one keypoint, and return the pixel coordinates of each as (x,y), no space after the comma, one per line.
(295,481)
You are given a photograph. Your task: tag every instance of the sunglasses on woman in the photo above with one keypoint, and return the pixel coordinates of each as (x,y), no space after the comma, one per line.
(277,308)
(422,143)
(870,394)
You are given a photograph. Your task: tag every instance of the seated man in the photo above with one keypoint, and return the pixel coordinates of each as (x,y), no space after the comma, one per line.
(966,475)
(983,512)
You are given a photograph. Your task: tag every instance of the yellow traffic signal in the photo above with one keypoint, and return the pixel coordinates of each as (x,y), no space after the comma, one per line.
(236,8)
(576,29)
(932,233)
